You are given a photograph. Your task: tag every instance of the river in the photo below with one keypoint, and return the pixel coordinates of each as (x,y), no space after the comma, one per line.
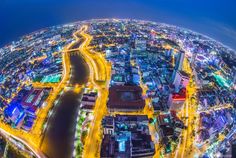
(59,135)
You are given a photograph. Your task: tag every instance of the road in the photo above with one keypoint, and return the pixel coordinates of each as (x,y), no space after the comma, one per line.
(99,79)
(33,138)
(186,147)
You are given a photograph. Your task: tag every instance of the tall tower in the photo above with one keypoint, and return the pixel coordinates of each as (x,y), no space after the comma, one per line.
(179,61)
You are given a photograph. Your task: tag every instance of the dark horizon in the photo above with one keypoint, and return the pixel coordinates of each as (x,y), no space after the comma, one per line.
(212,18)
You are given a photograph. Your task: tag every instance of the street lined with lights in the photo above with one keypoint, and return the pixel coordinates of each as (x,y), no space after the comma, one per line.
(149,90)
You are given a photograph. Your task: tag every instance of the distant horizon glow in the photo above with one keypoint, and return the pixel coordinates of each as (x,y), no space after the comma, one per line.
(215,21)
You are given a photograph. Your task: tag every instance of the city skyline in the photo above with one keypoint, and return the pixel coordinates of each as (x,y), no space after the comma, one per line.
(212,18)
(136,88)
(111,79)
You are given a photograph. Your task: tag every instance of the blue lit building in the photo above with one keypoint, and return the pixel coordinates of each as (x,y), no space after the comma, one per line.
(126,136)
(123,140)
(14,115)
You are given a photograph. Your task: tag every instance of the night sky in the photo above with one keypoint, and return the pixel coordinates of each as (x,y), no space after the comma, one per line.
(215,18)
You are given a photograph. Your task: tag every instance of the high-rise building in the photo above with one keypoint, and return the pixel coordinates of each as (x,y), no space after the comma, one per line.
(181,80)
(179,59)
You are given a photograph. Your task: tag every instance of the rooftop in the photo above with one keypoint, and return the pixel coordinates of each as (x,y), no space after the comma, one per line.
(125,97)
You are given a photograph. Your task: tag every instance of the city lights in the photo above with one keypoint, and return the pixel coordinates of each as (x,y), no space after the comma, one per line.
(132,88)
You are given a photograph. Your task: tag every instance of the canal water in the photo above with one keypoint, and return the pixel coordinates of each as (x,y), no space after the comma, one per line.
(59,136)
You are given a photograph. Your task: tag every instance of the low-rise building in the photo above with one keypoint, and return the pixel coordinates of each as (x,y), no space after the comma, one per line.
(14,115)
(88,101)
(176,100)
